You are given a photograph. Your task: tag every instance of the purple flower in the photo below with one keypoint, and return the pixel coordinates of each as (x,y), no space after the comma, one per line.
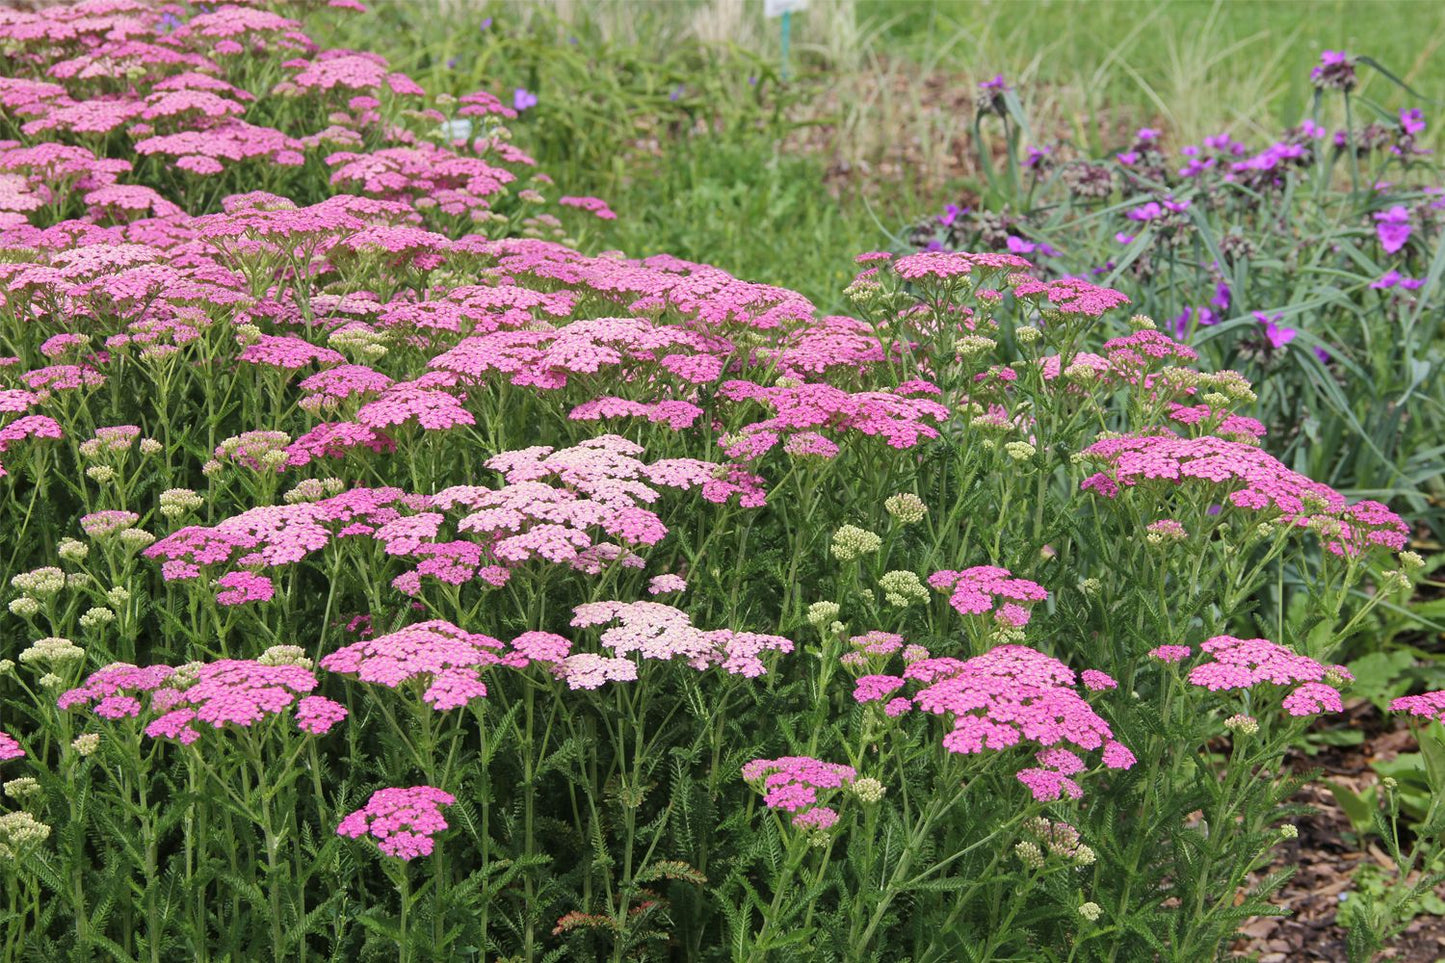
(522,99)
(1221,299)
(1123,238)
(1412,120)
(1322,354)
(996,83)
(451,63)
(170,21)
(1393,228)
(1278,336)
(1037,156)
(1018,245)
(1146,212)
(676,93)
(1129,158)
(950,214)
(934,245)
(487,23)
(1386,281)
(1147,134)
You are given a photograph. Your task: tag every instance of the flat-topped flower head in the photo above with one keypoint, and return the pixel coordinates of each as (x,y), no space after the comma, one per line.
(1171,653)
(443,660)
(115,691)
(978,590)
(1248,663)
(239,692)
(9,747)
(1427,705)
(1011,694)
(651,630)
(402,820)
(793,784)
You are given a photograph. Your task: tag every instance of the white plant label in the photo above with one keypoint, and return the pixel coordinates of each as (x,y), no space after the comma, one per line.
(776,8)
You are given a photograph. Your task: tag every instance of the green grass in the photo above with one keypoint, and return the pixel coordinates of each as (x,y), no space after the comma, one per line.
(1205,65)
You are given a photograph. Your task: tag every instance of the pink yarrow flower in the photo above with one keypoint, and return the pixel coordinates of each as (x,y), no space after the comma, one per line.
(403,821)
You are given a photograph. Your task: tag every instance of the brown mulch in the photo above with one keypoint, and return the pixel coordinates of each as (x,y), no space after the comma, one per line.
(1325,855)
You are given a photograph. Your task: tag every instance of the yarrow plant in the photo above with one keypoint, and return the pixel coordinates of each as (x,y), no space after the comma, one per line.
(622,608)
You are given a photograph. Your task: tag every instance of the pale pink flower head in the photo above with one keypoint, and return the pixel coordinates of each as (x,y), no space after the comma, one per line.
(1171,653)
(663,584)
(651,630)
(9,747)
(1011,695)
(403,821)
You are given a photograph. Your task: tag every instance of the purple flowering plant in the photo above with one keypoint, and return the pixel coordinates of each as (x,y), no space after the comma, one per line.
(1331,232)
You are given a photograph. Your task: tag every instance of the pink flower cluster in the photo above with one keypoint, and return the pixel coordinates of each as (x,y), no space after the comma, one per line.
(9,747)
(239,692)
(1011,694)
(1428,705)
(401,820)
(1246,663)
(975,591)
(808,409)
(1246,477)
(114,691)
(651,630)
(792,783)
(444,660)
